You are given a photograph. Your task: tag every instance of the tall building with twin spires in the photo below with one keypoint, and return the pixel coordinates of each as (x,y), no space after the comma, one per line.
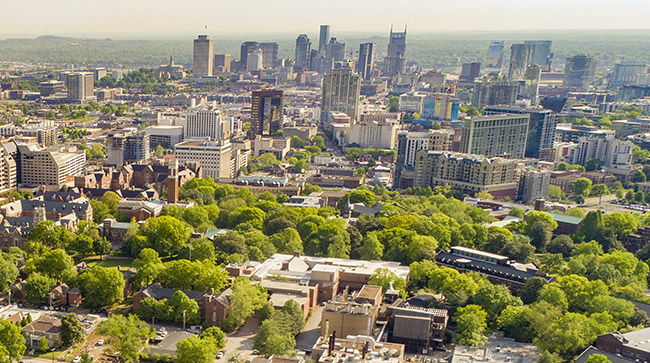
(396,59)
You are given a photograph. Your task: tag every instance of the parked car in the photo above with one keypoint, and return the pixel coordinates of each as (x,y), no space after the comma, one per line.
(220,355)
(100,342)
(77,359)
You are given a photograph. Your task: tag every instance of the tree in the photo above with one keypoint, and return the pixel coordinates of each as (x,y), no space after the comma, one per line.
(43,345)
(548,357)
(534,216)
(494,299)
(599,190)
(54,263)
(593,164)
(160,151)
(12,342)
(273,338)
(555,192)
(371,249)
(562,244)
(484,195)
(214,336)
(529,293)
(82,244)
(622,224)
(540,234)
(127,336)
(582,186)
(639,177)
(287,241)
(388,280)
(295,316)
(101,246)
(597,358)
(37,287)
(179,304)
(8,271)
(470,325)
(517,212)
(357,196)
(111,199)
(194,350)
(310,188)
(165,234)
(71,330)
(102,286)
(148,266)
(246,299)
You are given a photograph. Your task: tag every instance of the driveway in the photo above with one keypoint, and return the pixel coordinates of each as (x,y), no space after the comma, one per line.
(242,341)
(310,333)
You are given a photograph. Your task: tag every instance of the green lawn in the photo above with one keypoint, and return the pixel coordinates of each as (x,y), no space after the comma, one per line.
(124,263)
(50,355)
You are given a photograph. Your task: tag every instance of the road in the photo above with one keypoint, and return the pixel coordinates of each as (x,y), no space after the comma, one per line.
(241,342)
(310,333)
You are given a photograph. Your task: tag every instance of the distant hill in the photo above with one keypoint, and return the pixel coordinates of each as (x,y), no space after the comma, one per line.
(441,50)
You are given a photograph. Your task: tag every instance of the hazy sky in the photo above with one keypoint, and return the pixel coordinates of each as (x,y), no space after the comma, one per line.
(185,17)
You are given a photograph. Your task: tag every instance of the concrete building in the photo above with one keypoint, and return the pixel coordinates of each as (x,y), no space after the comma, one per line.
(495,55)
(166,136)
(266,112)
(206,122)
(530,88)
(8,166)
(395,62)
(254,60)
(611,151)
(539,53)
(80,86)
(533,185)
(171,70)
(213,156)
(323,38)
(409,144)
(303,132)
(124,148)
(411,102)
(487,93)
(466,173)
(269,55)
(348,318)
(518,61)
(502,135)
(374,135)
(303,51)
(341,90)
(627,74)
(415,327)
(278,146)
(49,167)
(541,128)
(221,63)
(366,60)
(579,72)
(50,88)
(335,51)
(441,106)
(470,71)
(203,53)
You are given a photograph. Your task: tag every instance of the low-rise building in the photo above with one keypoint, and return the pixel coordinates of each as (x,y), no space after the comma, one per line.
(47,326)
(633,345)
(417,328)
(278,146)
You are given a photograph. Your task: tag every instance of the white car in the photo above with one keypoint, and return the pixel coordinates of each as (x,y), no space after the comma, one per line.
(100,342)
(77,360)
(219,355)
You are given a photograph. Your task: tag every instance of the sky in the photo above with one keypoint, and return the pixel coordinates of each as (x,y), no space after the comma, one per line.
(165,18)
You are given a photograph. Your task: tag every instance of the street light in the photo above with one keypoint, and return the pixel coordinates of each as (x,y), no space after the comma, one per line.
(184,319)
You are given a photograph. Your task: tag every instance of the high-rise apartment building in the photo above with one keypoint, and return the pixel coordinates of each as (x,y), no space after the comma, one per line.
(323,38)
(269,54)
(126,148)
(396,59)
(50,167)
(266,112)
(213,156)
(533,185)
(467,173)
(303,50)
(366,61)
(579,72)
(518,61)
(499,92)
(245,49)
(341,90)
(626,74)
(8,165)
(222,63)
(614,153)
(539,53)
(470,71)
(203,50)
(441,106)
(541,128)
(80,86)
(409,144)
(501,135)
(495,55)
(206,122)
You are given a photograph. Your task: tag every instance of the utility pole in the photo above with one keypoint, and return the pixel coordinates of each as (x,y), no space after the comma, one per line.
(184,319)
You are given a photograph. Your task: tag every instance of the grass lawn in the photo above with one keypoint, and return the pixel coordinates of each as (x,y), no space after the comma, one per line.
(124,263)
(49,355)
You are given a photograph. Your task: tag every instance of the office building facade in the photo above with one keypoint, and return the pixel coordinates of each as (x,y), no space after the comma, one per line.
(539,53)
(303,51)
(440,107)
(206,122)
(213,156)
(222,63)
(203,52)
(323,38)
(518,61)
(626,74)
(245,49)
(266,112)
(49,167)
(579,72)
(495,55)
(501,135)
(395,62)
(470,71)
(341,90)
(530,88)
(125,148)
(487,93)
(80,86)
(269,54)
(366,61)
(335,51)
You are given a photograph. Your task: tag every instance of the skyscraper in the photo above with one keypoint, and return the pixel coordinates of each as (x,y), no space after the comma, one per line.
(579,71)
(303,48)
(502,135)
(541,128)
(206,122)
(222,62)
(626,74)
(530,88)
(539,53)
(341,90)
(518,61)
(396,58)
(203,48)
(495,55)
(266,111)
(269,54)
(246,48)
(470,71)
(335,51)
(80,86)
(366,62)
(254,60)
(323,39)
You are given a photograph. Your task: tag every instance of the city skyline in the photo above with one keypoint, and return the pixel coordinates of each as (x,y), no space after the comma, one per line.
(361,16)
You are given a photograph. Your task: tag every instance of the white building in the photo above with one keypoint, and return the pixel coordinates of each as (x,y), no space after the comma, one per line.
(167,136)
(206,122)
(278,146)
(612,152)
(374,135)
(411,102)
(45,167)
(254,60)
(533,184)
(214,156)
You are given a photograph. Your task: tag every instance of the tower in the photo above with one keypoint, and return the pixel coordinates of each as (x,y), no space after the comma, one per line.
(266,111)
(323,39)
(203,48)
(303,48)
(341,90)
(40,215)
(172,181)
(366,62)
(396,58)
